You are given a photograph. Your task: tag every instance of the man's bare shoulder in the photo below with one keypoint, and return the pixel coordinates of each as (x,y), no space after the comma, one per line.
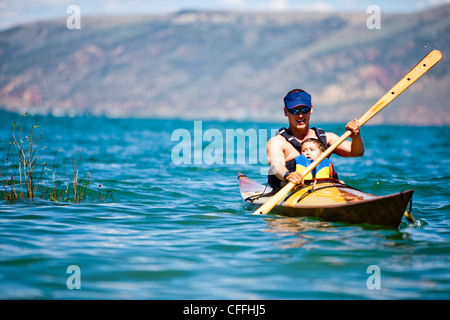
(277,140)
(331,137)
(279,143)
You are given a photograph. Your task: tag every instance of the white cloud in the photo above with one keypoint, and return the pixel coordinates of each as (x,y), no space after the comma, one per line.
(437,2)
(421,5)
(233,1)
(317,6)
(279,5)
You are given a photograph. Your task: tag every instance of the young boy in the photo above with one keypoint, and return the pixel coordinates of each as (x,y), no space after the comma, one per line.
(311,149)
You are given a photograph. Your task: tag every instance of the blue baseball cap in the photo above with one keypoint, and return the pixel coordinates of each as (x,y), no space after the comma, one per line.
(297,98)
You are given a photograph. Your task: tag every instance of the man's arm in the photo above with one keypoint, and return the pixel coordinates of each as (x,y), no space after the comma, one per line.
(275,158)
(354,148)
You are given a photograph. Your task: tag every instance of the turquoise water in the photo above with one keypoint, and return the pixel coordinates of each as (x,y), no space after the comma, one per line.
(181,231)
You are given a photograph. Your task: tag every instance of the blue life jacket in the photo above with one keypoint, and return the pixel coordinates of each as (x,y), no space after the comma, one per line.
(324,169)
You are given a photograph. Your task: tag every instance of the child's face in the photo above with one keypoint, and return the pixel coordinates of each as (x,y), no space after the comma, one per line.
(310,150)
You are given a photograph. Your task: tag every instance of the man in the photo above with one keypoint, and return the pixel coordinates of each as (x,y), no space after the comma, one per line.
(285,146)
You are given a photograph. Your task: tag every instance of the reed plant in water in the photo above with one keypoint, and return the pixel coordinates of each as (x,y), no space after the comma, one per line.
(21,178)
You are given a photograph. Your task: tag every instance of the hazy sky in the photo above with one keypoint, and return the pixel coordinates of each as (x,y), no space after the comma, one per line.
(13,12)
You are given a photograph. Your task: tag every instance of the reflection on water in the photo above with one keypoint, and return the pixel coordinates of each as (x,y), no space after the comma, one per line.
(297,228)
(288,225)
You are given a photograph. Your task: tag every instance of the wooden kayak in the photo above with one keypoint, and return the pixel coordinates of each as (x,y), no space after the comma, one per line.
(330,200)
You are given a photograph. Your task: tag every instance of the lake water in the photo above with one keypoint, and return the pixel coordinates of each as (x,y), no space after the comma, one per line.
(174,226)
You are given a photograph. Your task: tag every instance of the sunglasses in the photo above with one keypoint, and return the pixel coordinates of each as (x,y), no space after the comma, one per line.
(303,110)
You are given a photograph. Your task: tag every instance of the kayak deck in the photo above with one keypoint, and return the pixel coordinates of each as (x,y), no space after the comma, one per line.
(330,200)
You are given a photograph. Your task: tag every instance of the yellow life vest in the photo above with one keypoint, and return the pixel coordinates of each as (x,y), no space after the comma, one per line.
(324,169)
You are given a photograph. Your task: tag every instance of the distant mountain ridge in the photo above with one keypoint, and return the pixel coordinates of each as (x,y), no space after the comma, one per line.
(227,65)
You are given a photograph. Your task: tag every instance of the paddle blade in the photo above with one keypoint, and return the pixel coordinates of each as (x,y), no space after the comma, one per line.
(419,70)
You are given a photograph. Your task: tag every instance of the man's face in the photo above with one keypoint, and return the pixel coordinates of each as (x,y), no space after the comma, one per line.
(299,120)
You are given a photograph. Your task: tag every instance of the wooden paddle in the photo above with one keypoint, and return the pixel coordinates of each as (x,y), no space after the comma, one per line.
(419,70)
